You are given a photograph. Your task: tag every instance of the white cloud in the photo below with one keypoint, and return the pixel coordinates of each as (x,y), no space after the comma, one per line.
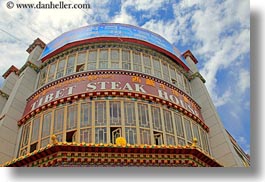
(243,80)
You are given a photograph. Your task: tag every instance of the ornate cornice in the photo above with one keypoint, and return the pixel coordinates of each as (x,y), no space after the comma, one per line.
(31,65)
(37,42)
(10,70)
(196,74)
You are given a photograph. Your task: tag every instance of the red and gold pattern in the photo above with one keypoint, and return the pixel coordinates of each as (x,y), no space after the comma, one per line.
(90,154)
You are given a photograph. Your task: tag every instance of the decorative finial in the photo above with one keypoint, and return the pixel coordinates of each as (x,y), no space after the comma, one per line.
(121,141)
(194,142)
(54,139)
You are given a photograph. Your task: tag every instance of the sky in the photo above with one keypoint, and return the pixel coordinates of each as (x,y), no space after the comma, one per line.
(217,32)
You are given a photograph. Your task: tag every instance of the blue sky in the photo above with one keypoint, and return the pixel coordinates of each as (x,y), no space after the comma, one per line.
(216,31)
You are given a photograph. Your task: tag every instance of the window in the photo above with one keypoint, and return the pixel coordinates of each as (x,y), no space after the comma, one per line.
(23,152)
(70,136)
(25,135)
(179,125)
(45,142)
(86,135)
(165,71)
(137,63)
(196,134)
(129,114)
(147,64)
(173,76)
(92,60)
(103,59)
(101,135)
(86,114)
(114,58)
(35,129)
(81,60)
(126,61)
(115,113)
(156,116)
(46,124)
(181,142)
(51,72)
(100,114)
(168,122)
(59,137)
(170,140)
(145,137)
(70,65)
(205,141)
(157,68)
(158,138)
(43,74)
(130,135)
(115,133)
(33,147)
(187,85)
(60,69)
(58,120)
(188,130)
(71,117)
(143,115)
(180,81)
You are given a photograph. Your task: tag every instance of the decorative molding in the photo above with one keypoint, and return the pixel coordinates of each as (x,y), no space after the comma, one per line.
(37,42)
(196,74)
(189,54)
(9,71)
(31,65)
(3,94)
(91,154)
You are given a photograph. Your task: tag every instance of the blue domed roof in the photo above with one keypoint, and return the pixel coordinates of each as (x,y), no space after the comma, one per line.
(110,30)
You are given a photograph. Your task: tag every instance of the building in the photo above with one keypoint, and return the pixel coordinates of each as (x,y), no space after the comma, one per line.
(111,95)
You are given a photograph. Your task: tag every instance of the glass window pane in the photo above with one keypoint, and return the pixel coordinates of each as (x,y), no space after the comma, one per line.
(157,67)
(70,65)
(131,135)
(196,133)
(86,114)
(188,129)
(126,61)
(168,122)
(179,125)
(71,117)
(46,124)
(81,58)
(181,142)
(137,63)
(156,116)
(129,114)
(103,54)
(100,114)
(45,142)
(25,138)
(35,129)
(101,135)
(58,120)
(143,115)
(115,113)
(92,56)
(114,54)
(145,137)
(170,140)
(86,135)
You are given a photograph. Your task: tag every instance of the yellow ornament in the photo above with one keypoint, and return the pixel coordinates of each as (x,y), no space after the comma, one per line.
(121,141)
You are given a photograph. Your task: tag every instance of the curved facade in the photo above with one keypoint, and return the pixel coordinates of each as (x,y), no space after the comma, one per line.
(97,83)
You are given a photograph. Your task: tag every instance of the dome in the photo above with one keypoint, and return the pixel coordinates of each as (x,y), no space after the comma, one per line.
(112,32)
